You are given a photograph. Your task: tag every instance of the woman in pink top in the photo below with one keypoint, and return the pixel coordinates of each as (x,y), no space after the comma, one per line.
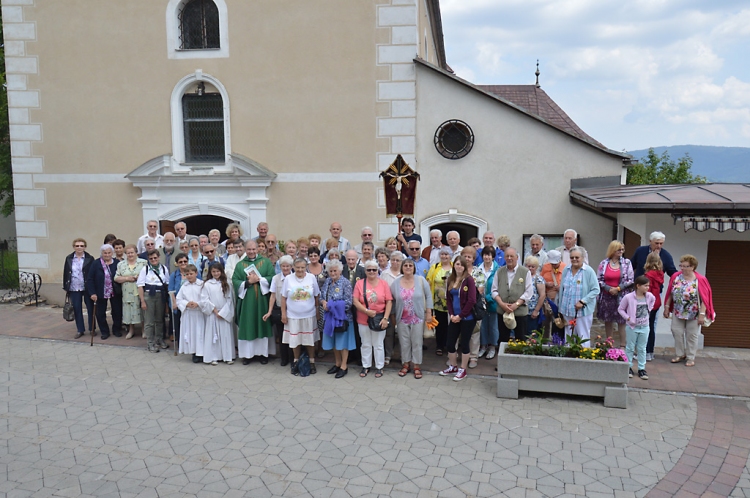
(615,280)
(379,300)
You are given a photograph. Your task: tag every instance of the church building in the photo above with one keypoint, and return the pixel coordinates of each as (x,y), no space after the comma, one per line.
(214,111)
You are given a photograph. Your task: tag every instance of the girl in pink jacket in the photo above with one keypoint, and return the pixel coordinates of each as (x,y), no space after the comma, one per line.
(635,308)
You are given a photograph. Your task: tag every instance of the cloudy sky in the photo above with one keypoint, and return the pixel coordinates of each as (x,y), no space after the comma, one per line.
(633,74)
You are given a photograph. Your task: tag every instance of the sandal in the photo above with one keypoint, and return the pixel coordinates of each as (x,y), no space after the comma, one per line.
(364,372)
(404,370)
(439,352)
(378,373)
(678,359)
(690,363)
(417,372)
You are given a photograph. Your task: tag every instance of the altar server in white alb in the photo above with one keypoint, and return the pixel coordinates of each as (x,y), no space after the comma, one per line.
(192,321)
(217,303)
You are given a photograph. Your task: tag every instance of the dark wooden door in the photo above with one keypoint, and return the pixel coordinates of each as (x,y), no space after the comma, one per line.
(730,301)
(166,226)
(632,241)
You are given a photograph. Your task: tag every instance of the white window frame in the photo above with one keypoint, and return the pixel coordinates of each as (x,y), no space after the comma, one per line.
(173,34)
(178,131)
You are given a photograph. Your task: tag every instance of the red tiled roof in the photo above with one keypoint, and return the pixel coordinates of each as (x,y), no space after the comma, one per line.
(536,101)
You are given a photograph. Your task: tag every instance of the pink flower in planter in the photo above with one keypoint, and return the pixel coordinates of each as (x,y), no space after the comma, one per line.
(616,355)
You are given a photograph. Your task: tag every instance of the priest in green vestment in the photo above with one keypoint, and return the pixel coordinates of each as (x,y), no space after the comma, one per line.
(251,281)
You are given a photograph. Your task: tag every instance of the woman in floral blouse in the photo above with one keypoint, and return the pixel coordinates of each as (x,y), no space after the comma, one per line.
(537,299)
(127,275)
(689,297)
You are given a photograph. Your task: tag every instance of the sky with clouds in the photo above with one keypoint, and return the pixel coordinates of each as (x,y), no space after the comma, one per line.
(633,74)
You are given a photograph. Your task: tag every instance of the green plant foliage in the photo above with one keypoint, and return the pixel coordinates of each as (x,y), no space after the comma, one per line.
(661,170)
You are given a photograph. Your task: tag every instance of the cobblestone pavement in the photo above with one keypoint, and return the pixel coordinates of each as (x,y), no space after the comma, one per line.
(112,421)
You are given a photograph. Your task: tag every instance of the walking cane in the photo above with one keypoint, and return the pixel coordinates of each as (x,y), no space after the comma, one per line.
(93,325)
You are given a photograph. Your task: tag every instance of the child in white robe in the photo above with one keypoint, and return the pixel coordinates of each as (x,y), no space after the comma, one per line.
(217,304)
(192,322)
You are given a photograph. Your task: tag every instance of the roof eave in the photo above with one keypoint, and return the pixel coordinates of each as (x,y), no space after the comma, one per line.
(436,22)
(419,60)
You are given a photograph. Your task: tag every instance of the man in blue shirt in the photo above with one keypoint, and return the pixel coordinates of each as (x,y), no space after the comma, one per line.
(488,239)
(656,243)
(421,265)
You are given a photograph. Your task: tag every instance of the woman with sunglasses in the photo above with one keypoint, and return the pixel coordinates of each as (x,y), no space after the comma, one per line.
(577,298)
(378,300)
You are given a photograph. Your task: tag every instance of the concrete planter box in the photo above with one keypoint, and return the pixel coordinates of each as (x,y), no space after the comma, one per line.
(607,379)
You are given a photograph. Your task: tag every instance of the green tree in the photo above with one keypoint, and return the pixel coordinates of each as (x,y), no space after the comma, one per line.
(661,170)
(6,173)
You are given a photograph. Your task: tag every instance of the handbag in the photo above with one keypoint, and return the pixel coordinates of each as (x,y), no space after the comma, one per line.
(480,307)
(373,322)
(69,313)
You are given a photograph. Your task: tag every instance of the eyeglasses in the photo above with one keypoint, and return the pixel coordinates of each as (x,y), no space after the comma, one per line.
(574,259)
(208,252)
(370,270)
(366,235)
(79,245)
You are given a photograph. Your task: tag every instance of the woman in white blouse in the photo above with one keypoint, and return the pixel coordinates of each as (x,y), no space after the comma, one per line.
(300,301)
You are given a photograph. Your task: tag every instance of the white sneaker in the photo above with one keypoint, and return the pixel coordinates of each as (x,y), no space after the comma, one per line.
(491,353)
(482,350)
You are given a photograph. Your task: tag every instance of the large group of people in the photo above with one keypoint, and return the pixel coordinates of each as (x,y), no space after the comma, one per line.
(260,297)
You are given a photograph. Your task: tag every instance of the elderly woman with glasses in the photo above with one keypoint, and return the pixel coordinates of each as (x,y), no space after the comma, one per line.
(436,277)
(372,296)
(690,298)
(336,300)
(615,275)
(100,285)
(127,275)
(577,298)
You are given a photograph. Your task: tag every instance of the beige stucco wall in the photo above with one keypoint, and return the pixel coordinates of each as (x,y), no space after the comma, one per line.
(302,98)
(516,177)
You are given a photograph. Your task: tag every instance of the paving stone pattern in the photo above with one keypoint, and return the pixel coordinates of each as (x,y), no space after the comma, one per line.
(109,421)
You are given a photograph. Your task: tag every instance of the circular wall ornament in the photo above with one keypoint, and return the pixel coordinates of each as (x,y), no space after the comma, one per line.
(454,139)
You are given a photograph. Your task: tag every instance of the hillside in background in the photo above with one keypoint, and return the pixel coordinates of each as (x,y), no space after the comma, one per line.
(718,164)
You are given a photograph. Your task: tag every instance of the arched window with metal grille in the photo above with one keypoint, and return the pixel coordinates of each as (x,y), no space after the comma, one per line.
(203,122)
(199,25)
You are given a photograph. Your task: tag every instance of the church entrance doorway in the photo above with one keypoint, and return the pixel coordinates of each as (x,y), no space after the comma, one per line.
(465,231)
(200,224)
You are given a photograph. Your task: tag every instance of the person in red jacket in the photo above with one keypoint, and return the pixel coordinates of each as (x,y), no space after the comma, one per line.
(461,295)
(654,271)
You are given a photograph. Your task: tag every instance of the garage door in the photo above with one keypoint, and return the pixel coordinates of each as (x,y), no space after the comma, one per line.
(730,297)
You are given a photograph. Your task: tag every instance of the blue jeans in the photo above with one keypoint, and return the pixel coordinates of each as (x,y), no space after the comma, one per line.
(637,338)
(77,298)
(488,331)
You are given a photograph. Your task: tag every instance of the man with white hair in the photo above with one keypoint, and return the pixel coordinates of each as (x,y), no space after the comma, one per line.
(537,243)
(432,252)
(152,231)
(570,242)
(656,243)
(453,239)
(366,235)
(181,235)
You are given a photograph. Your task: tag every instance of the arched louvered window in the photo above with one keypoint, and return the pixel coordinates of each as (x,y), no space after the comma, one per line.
(203,122)
(199,25)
